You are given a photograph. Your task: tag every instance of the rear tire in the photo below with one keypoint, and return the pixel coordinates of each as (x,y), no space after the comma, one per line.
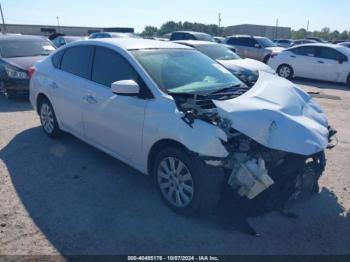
(285,71)
(187,185)
(48,118)
(266,59)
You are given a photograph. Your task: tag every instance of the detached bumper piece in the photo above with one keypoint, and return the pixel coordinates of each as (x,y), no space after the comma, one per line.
(332,139)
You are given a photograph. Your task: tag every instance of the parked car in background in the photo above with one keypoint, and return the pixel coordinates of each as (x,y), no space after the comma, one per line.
(175,114)
(219,39)
(338,41)
(283,42)
(303,41)
(317,39)
(112,35)
(190,35)
(17,54)
(247,70)
(254,47)
(326,62)
(63,40)
(346,44)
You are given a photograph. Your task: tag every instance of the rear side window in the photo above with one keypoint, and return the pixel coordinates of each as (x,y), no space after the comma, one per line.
(232,41)
(76,61)
(189,37)
(108,67)
(304,51)
(56,59)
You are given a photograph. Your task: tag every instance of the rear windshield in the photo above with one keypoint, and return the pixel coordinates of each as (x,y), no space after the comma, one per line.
(265,42)
(25,48)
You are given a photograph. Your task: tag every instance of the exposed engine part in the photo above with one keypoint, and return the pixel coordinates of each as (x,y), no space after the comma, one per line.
(250,178)
(259,176)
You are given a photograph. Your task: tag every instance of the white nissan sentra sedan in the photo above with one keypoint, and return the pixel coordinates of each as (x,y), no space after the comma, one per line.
(175,114)
(325,62)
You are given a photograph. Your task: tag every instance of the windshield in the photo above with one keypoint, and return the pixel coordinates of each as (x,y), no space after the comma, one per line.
(185,71)
(344,50)
(217,52)
(265,42)
(25,48)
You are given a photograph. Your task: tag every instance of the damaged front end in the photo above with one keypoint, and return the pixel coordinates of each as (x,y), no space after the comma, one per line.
(275,140)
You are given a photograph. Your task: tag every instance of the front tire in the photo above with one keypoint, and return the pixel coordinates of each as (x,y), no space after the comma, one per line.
(185,183)
(48,118)
(285,71)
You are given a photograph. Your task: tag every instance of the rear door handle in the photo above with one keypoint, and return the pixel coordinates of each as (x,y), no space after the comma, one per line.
(320,62)
(90,99)
(293,56)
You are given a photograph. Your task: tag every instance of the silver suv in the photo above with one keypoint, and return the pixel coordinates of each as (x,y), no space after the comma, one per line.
(255,47)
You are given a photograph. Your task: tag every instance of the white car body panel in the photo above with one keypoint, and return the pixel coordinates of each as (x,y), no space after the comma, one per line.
(247,63)
(278,115)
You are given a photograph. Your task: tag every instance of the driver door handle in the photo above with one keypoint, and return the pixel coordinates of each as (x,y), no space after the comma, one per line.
(53,85)
(90,99)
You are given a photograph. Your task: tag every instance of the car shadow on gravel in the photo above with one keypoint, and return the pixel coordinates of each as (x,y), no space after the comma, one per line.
(14,105)
(320,84)
(86,202)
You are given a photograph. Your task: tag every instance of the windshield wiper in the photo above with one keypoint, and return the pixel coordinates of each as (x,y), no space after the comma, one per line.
(227,89)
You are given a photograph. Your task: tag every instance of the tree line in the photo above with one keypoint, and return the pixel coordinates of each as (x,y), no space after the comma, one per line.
(215,30)
(325,34)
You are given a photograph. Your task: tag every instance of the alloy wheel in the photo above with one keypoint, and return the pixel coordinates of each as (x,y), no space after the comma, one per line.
(175,182)
(285,71)
(47,118)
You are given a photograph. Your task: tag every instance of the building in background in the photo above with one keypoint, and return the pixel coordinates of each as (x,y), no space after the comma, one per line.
(48,30)
(272,32)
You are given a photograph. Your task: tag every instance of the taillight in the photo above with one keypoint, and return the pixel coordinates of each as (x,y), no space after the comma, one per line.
(31,71)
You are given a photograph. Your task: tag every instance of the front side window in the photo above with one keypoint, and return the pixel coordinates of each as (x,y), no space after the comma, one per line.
(217,52)
(109,67)
(76,61)
(185,71)
(25,48)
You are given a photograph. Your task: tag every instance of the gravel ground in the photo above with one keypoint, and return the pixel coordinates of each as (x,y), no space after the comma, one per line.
(65,197)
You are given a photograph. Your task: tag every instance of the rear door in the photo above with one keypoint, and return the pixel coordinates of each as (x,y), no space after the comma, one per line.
(113,122)
(303,61)
(328,65)
(67,85)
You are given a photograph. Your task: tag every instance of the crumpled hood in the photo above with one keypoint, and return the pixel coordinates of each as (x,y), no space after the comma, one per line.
(247,63)
(24,62)
(278,115)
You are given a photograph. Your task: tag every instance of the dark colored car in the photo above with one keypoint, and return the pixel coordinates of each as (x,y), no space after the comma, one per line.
(190,35)
(112,35)
(17,55)
(63,40)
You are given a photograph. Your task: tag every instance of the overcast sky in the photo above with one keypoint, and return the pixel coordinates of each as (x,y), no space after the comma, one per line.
(138,13)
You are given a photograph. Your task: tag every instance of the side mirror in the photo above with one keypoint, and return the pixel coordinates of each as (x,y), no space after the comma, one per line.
(257,46)
(125,87)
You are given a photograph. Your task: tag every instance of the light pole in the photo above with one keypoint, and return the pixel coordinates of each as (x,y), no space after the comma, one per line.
(3,21)
(58,24)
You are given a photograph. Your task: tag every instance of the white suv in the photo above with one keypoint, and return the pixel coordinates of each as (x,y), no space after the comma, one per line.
(173,113)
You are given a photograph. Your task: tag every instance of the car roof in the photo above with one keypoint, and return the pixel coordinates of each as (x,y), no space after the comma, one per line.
(20,37)
(321,45)
(191,32)
(195,42)
(134,43)
(251,36)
